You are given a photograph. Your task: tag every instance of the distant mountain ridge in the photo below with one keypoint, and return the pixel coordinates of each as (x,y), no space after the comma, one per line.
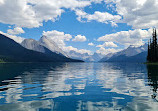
(131,54)
(11,51)
(85,56)
(139,58)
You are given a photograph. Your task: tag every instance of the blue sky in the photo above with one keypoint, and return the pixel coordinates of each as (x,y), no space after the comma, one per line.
(108,26)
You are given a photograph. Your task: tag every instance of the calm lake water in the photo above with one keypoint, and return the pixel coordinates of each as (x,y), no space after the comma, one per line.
(78,87)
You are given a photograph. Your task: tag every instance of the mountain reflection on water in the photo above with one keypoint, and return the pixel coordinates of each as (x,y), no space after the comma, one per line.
(78,86)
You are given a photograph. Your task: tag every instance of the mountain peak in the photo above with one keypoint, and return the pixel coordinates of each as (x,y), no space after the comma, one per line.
(132,46)
(29,40)
(43,36)
(51,45)
(129,52)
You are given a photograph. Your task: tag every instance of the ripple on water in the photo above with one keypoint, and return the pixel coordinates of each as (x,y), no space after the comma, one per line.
(78,86)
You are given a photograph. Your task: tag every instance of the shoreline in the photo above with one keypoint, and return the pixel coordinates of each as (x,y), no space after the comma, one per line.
(36,62)
(151,63)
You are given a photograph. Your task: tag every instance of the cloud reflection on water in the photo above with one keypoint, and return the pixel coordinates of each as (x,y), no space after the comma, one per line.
(90,86)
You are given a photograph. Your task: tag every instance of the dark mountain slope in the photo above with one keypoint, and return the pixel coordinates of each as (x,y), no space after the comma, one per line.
(139,58)
(10,51)
(127,55)
(36,46)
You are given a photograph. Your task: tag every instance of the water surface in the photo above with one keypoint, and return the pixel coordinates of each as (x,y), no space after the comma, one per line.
(78,87)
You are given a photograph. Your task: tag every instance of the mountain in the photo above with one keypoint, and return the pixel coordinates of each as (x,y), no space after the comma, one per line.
(132,50)
(96,57)
(76,55)
(139,58)
(51,45)
(85,56)
(131,54)
(11,51)
(33,45)
(36,46)
(106,57)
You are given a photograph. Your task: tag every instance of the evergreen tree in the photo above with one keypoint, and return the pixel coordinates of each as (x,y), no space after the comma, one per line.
(152,48)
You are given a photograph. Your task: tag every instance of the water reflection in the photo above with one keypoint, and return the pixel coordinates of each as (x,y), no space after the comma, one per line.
(153,79)
(45,105)
(78,86)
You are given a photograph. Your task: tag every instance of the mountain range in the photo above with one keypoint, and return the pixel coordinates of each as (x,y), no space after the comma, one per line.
(47,46)
(85,56)
(29,51)
(131,54)
(46,50)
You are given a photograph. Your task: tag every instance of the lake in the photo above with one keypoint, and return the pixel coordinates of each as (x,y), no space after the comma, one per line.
(78,87)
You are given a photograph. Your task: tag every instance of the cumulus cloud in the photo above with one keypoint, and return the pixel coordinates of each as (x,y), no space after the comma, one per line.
(15,31)
(81,51)
(58,37)
(1,1)
(91,44)
(140,14)
(103,17)
(18,12)
(79,38)
(13,37)
(105,51)
(32,13)
(107,44)
(131,37)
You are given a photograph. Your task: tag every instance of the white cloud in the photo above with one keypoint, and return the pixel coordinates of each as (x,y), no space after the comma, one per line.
(103,17)
(131,37)
(79,38)
(18,12)
(1,1)
(58,37)
(105,51)
(81,51)
(91,44)
(15,31)
(107,44)
(32,13)
(15,38)
(140,14)
(24,106)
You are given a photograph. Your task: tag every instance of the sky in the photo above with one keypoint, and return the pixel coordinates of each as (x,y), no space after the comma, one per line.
(84,26)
